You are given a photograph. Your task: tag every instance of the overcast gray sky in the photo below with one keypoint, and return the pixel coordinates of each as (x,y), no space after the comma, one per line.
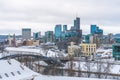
(43,15)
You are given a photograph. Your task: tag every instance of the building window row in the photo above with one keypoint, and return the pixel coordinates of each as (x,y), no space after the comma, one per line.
(18,72)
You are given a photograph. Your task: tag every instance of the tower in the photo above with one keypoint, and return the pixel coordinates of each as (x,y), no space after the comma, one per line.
(58,31)
(77,23)
(26,34)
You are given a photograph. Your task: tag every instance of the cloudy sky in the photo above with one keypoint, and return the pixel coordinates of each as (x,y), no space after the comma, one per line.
(43,15)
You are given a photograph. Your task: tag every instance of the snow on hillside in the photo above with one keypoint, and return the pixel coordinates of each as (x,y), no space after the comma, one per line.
(64,78)
(13,70)
(93,66)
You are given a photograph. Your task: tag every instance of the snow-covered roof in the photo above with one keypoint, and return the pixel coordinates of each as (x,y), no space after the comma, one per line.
(13,70)
(103,50)
(39,51)
(55,53)
(22,49)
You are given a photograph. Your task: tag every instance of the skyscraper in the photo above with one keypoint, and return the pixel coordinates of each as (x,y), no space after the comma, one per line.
(58,31)
(26,33)
(97,35)
(95,30)
(49,36)
(64,28)
(77,23)
(36,35)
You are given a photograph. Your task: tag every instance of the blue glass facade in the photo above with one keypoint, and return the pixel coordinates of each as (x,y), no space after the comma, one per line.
(64,27)
(95,30)
(74,34)
(58,31)
(36,35)
(87,38)
(100,31)
(116,52)
(49,36)
(77,23)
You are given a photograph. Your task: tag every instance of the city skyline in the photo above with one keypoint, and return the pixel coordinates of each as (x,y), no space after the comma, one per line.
(43,15)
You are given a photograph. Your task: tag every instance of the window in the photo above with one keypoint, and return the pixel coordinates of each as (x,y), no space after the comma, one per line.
(86,49)
(9,62)
(12,73)
(22,67)
(6,75)
(19,72)
(0,77)
(91,49)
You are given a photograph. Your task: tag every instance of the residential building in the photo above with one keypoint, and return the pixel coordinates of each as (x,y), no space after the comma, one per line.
(26,34)
(88,49)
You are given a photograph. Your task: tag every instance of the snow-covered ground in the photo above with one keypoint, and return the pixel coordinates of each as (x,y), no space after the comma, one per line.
(13,70)
(64,78)
(104,53)
(94,67)
(115,69)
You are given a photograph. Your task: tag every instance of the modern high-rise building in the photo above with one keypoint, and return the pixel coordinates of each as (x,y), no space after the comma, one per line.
(97,35)
(49,36)
(64,28)
(95,30)
(77,23)
(58,31)
(36,35)
(26,34)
